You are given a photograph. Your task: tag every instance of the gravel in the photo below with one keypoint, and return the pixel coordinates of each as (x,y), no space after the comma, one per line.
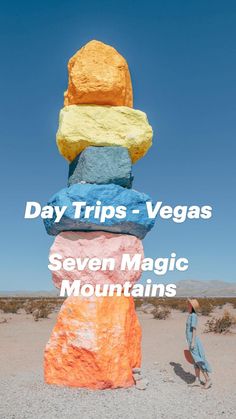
(24,394)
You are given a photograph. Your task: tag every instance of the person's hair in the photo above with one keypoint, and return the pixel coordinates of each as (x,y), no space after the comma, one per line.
(193,311)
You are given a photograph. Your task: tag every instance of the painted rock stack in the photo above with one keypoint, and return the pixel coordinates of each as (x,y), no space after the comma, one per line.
(96,342)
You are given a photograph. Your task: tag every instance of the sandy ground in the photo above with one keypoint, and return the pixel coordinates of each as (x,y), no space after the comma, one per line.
(23,393)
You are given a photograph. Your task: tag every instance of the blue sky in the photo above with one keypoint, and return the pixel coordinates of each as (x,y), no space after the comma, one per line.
(182,58)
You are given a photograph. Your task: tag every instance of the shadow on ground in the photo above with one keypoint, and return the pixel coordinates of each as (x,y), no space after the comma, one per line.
(180,372)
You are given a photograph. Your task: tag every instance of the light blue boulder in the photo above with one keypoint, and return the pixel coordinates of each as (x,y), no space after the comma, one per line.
(102,165)
(137,224)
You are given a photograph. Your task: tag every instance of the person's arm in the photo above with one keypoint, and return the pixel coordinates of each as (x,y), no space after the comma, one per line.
(193,338)
(194,330)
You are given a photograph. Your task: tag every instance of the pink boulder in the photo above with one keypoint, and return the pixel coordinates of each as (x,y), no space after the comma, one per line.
(84,246)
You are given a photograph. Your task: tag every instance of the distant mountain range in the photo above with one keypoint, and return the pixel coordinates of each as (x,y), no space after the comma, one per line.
(53,293)
(188,288)
(185,288)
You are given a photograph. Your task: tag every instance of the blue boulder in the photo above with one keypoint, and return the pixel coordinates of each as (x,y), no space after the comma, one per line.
(102,165)
(137,224)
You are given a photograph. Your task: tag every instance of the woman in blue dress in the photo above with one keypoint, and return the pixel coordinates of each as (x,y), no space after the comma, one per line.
(195,346)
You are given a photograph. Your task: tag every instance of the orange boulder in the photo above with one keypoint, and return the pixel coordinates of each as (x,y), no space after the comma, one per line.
(98,75)
(95,343)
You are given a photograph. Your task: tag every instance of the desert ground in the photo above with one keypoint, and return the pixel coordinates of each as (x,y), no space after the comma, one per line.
(23,393)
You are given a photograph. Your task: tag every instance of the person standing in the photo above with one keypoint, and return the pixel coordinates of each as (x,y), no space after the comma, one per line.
(196,349)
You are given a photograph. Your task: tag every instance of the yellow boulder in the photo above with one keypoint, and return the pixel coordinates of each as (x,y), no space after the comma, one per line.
(98,75)
(81,126)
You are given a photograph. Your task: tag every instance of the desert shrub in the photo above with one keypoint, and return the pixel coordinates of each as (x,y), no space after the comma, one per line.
(206,307)
(138,302)
(39,304)
(44,312)
(161,313)
(207,304)
(182,306)
(234,303)
(221,324)
(31,306)
(41,313)
(40,309)
(46,305)
(147,308)
(10,306)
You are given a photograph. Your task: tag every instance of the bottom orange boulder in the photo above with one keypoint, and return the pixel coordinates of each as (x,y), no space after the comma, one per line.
(95,343)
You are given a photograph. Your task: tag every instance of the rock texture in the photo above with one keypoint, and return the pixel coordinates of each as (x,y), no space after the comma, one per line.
(95,343)
(76,244)
(102,165)
(111,196)
(142,384)
(81,126)
(98,74)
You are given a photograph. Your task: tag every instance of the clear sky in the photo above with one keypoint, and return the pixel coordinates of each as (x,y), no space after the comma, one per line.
(182,58)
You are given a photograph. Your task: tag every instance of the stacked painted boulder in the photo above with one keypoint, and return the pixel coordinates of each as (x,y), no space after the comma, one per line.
(96,342)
